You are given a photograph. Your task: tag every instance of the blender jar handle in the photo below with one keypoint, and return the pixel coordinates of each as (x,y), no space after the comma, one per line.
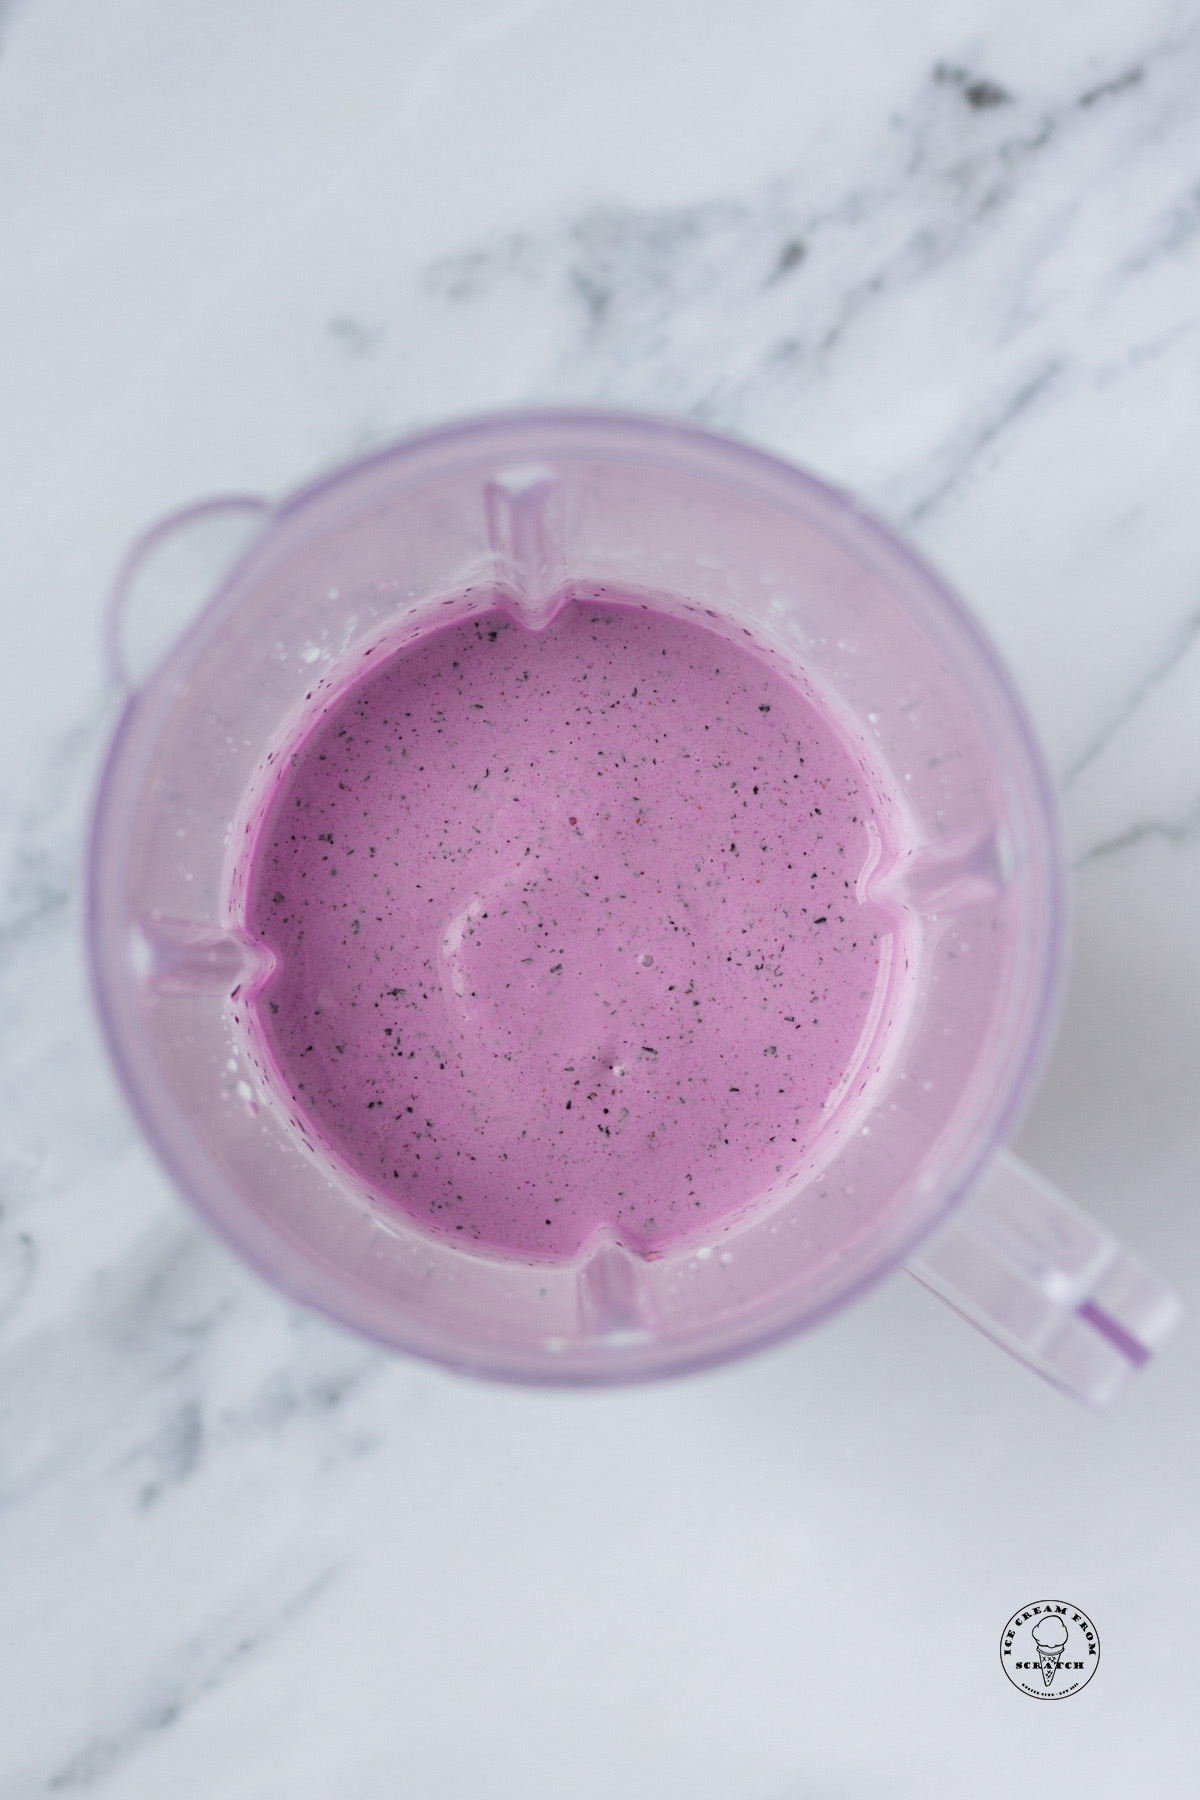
(1048,1283)
(168,573)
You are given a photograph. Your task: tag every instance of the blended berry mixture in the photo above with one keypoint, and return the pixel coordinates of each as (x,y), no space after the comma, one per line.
(566,927)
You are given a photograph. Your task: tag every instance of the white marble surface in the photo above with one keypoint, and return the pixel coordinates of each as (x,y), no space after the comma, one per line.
(944,251)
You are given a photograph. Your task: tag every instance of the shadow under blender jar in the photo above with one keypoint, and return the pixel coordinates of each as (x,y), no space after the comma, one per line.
(524,508)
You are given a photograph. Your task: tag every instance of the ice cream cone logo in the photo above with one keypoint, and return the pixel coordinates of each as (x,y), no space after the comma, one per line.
(1050,1649)
(1050,1636)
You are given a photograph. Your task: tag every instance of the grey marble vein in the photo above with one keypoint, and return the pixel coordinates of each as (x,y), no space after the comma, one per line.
(1169,831)
(48,1041)
(199,1667)
(41,872)
(732,309)
(982,437)
(18,1268)
(1165,665)
(1175,228)
(125,1389)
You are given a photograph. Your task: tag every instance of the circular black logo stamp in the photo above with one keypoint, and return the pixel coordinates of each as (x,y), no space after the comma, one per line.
(1050,1649)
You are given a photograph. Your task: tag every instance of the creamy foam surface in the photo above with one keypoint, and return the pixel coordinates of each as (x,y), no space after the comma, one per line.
(566,927)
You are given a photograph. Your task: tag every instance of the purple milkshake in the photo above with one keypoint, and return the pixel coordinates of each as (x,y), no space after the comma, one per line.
(570,928)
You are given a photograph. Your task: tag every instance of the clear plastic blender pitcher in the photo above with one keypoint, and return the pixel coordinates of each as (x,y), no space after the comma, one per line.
(525,506)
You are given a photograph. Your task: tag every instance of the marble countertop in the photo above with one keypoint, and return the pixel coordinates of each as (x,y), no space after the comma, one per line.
(947,255)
